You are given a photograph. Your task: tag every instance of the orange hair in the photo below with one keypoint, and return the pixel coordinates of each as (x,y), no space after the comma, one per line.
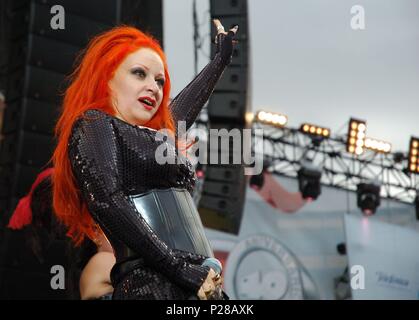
(89,90)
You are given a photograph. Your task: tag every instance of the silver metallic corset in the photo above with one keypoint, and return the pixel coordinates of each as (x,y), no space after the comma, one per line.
(172,215)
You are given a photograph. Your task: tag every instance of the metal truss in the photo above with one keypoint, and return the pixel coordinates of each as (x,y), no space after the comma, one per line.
(286,149)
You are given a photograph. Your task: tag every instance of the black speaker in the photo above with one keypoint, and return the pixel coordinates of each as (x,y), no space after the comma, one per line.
(224,189)
(222,199)
(30,115)
(235,79)
(227,105)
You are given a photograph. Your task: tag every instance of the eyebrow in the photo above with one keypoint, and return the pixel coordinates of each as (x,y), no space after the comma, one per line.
(145,67)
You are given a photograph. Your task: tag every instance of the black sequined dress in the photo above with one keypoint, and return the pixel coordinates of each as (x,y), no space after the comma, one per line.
(145,208)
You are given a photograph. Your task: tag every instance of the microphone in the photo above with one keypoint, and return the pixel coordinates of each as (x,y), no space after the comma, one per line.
(214,264)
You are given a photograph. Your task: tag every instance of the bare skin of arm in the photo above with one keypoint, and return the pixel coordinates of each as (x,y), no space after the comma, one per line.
(95,279)
(103,244)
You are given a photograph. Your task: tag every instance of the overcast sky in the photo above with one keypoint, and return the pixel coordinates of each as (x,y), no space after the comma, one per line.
(308,63)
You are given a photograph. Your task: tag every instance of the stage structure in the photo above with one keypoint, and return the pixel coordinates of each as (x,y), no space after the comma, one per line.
(286,149)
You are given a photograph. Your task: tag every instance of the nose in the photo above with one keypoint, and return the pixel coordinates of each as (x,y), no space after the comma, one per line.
(152,87)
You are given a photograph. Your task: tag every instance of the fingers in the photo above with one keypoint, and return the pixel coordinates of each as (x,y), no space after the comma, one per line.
(218,280)
(220,28)
(211,274)
(234,29)
(201,294)
(217,23)
(206,290)
(210,284)
(208,287)
(215,278)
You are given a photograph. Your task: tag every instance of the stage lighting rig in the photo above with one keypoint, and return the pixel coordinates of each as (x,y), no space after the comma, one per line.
(309,184)
(398,157)
(413,164)
(356,136)
(313,130)
(273,119)
(256,181)
(377,145)
(368,197)
(316,133)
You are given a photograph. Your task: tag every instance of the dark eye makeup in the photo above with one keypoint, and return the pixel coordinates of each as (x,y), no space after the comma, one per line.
(142,74)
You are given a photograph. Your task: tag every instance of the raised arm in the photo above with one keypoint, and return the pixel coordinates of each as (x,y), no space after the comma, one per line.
(189,102)
(93,152)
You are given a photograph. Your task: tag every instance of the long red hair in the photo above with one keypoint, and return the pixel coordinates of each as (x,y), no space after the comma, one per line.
(89,90)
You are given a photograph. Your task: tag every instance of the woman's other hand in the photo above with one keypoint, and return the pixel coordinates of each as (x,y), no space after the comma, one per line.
(220,28)
(224,40)
(208,286)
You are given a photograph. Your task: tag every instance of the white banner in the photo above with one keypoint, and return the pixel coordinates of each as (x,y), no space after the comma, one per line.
(383,258)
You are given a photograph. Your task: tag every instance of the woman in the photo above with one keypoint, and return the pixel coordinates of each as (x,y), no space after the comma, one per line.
(106,168)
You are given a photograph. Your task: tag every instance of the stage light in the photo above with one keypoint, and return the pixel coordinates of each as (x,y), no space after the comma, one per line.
(398,157)
(413,164)
(368,197)
(249,116)
(309,182)
(314,130)
(356,136)
(274,119)
(378,145)
(256,181)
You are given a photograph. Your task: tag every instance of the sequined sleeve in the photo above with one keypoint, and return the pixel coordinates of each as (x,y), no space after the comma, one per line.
(95,159)
(189,102)
(190,257)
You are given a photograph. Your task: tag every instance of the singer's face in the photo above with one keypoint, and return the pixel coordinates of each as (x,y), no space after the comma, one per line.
(137,87)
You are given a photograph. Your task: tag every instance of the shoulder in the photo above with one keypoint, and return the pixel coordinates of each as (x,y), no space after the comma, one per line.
(92,118)
(93,115)
(92,125)
(99,120)
(96,113)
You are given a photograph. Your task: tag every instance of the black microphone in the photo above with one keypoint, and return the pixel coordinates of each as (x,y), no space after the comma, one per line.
(214,264)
